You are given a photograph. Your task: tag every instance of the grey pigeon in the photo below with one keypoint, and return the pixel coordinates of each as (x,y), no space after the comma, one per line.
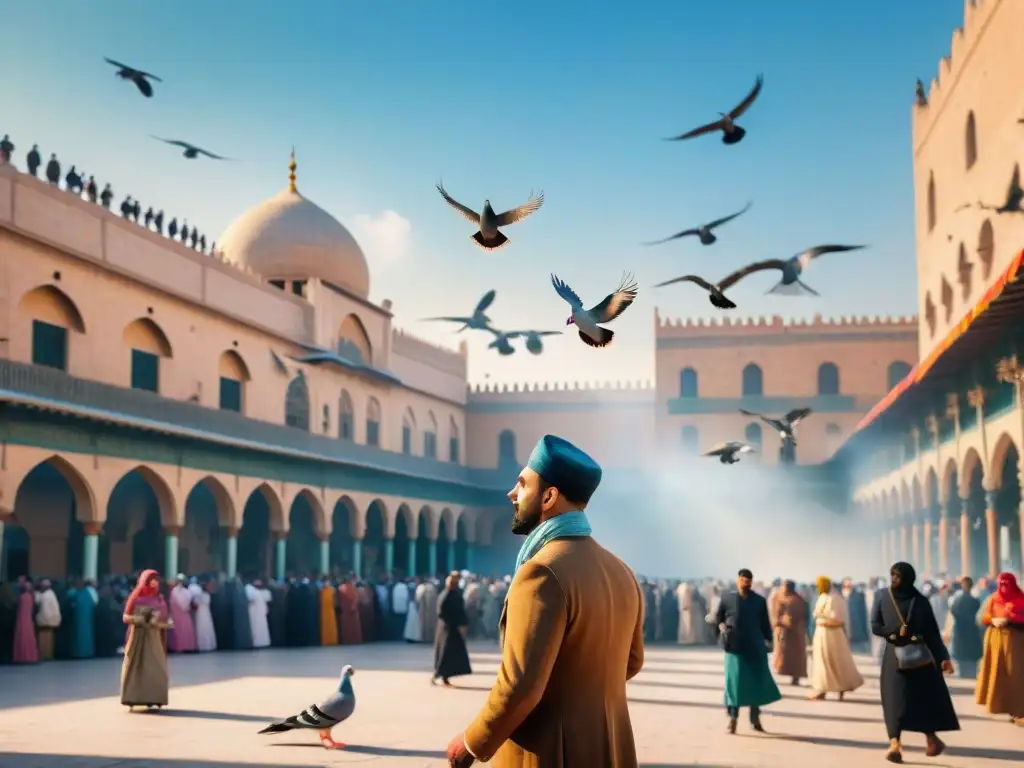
(324,716)
(786,425)
(920,97)
(728,452)
(587,320)
(534,340)
(715,290)
(137,76)
(704,231)
(489,237)
(502,342)
(731,133)
(478,321)
(191,151)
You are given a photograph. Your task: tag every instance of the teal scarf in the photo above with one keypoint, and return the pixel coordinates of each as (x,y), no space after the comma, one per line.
(571,525)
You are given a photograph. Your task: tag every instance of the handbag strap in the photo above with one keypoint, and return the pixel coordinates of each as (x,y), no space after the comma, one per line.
(895,605)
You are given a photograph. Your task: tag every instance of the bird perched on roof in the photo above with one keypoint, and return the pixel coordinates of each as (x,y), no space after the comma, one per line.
(704,231)
(729,452)
(137,76)
(587,320)
(731,133)
(786,425)
(478,321)
(191,151)
(489,237)
(324,716)
(534,340)
(920,97)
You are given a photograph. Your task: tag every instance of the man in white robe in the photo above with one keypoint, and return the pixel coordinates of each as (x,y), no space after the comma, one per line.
(399,608)
(691,615)
(426,604)
(413,630)
(206,636)
(258,599)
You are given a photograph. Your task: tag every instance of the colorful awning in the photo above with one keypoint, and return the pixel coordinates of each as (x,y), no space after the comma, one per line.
(982,325)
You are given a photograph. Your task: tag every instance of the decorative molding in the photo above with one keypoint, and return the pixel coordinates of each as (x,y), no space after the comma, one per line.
(783,339)
(767,405)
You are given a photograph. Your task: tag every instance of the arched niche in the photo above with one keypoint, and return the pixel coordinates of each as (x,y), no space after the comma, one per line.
(753,435)
(430,436)
(752,380)
(344,524)
(262,513)
(353,342)
(828,379)
(373,540)
(53,315)
(296,403)
(147,345)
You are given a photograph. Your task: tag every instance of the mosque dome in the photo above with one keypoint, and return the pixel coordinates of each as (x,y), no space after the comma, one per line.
(289,237)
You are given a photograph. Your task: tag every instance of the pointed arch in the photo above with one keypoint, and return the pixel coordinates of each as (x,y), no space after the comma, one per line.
(753,381)
(165,498)
(296,403)
(234,374)
(970,141)
(145,335)
(222,498)
(828,379)
(346,417)
(1004,445)
(353,342)
(266,493)
(83,493)
(970,466)
(49,304)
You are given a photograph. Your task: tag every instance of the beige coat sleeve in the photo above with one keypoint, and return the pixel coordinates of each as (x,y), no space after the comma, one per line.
(534,626)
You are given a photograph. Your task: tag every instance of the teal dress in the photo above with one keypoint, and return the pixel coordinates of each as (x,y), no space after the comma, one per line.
(748,678)
(83,643)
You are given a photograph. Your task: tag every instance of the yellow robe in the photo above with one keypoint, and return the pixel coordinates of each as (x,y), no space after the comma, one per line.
(328,620)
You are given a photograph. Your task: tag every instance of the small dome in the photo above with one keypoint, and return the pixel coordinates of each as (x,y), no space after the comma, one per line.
(292,238)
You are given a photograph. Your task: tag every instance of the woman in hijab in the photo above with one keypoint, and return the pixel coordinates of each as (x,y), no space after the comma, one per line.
(1000,687)
(26,649)
(915,700)
(144,680)
(348,613)
(451,658)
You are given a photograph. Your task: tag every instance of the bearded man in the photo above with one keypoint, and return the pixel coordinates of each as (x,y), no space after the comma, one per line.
(571,632)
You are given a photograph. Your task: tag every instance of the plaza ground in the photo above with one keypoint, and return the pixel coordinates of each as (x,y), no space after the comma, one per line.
(68,714)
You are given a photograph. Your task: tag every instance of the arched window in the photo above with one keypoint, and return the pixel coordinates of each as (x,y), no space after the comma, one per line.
(408,430)
(931,201)
(373,422)
(986,248)
(53,315)
(688,383)
(430,437)
(346,417)
(753,435)
(148,345)
(453,441)
(828,379)
(691,440)
(971,141)
(233,375)
(296,403)
(896,373)
(753,381)
(507,448)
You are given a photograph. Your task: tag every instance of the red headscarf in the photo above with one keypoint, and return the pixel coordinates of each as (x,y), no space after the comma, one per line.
(142,589)
(1010,596)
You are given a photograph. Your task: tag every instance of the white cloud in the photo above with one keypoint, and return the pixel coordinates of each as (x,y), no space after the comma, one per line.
(386,236)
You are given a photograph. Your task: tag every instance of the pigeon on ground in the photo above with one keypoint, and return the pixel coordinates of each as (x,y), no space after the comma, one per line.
(728,452)
(786,425)
(704,231)
(791,268)
(587,320)
(137,76)
(191,151)
(731,133)
(478,321)
(324,716)
(502,342)
(534,342)
(489,237)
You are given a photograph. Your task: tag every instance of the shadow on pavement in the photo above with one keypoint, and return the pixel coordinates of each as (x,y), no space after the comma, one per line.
(367,749)
(952,750)
(43,760)
(202,714)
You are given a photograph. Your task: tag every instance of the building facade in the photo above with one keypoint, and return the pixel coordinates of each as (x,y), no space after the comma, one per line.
(937,464)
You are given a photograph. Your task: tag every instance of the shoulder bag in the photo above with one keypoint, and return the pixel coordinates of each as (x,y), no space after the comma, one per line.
(915,654)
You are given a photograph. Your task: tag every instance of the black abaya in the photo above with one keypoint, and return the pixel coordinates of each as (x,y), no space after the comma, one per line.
(64,637)
(8,616)
(451,657)
(241,630)
(223,620)
(108,625)
(277,615)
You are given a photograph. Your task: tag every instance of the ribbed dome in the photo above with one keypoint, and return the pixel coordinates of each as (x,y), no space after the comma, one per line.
(290,237)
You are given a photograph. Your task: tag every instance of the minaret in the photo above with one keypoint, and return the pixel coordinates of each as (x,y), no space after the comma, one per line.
(291,173)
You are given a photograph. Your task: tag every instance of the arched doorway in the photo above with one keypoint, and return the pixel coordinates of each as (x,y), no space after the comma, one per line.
(135,524)
(342,517)
(401,544)
(254,544)
(373,541)
(302,551)
(201,543)
(46,508)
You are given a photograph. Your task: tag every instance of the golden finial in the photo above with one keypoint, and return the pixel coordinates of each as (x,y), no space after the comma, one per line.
(291,173)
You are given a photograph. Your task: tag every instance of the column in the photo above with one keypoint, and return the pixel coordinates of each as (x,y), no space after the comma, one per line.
(389,555)
(171,551)
(915,542)
(992,532)
(357,558)
(90,550)
(280,553)
(325,554)
(412,558)
(965,540)
(929,546)
(450,565)
(432,565)
(469,557)
(231,555)
(944,523)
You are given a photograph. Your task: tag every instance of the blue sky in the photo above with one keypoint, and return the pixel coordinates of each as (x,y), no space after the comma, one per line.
(382,99)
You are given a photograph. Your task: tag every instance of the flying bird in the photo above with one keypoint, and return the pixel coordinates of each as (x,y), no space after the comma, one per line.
(502,342)
(322,717)
(478,321)
(786,425)
(489,237)
(137,76)
(731,133)
(728,452)
(191,151)
(715,291)
(1014,196)
(704,231)
(534,340)
(587,320)
(792,268)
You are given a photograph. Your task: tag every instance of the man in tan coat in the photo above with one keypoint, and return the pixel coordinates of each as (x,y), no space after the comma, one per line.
(571,633)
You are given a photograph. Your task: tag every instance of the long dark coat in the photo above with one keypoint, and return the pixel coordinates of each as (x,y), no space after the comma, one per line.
(240,628)
(915,700)
(668,615)
(966,637)
(451,657)
(277,615)
(64,638)
(223,618)
(107,624)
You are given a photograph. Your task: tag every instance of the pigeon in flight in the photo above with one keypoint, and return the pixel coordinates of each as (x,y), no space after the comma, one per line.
(715,291)
(587,320)
(502,341)
(786,424)
(191,151)
(534,342)
(478,321)
(324,716)
(489,237)
(137,76)
(731,133)
(704,231)
(728,452)
(791,268)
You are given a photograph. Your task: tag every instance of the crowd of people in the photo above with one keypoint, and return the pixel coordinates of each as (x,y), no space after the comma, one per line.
(78,183)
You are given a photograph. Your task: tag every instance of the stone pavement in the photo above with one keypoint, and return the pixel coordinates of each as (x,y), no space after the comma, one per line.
(68,714)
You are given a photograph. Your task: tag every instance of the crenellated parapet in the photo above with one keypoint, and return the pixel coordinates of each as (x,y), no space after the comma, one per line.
(544,390)
(752,327)
(411,347)
(978,15)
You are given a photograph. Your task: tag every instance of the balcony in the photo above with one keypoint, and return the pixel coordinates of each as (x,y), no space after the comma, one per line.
(770,405)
